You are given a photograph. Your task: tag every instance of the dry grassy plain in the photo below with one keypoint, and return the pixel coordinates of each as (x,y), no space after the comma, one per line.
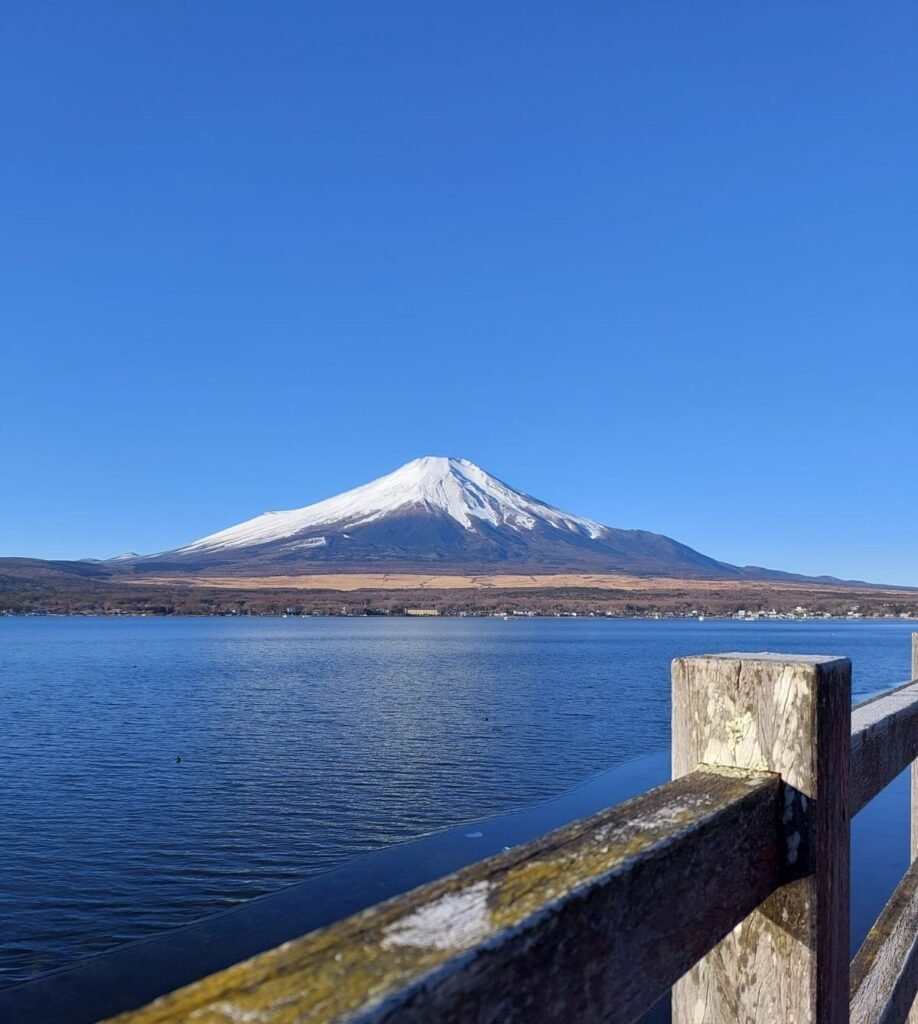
(545,594)
(22,590)
(350,582)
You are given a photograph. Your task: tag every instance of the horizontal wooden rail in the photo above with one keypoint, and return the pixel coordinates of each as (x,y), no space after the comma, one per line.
(884,742)
(884,974)
(595,921)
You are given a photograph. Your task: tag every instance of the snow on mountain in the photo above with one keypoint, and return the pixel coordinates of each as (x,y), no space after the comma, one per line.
(456,487)
(446,515)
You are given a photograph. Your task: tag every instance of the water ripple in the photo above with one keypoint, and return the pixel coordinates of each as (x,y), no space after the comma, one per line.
(155,771)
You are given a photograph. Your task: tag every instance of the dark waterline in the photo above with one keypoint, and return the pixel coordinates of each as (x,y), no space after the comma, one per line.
(304,742)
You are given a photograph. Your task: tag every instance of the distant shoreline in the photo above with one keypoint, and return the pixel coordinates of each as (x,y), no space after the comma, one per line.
(612,596)
(115,614)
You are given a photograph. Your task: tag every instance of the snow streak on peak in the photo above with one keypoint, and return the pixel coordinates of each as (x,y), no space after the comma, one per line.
(457,487)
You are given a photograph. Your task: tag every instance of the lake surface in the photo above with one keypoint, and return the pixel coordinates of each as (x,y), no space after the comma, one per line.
(154,771)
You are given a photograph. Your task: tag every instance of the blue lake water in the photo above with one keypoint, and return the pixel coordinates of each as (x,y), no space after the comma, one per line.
(154,771)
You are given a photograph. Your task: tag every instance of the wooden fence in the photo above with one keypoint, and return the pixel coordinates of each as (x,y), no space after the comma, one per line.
(728,885)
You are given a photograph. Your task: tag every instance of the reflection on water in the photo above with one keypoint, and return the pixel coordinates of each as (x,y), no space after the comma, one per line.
(303,742)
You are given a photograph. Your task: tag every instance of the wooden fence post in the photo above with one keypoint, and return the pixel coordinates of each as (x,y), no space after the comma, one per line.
(913,1013)
(788,961)
(915,766)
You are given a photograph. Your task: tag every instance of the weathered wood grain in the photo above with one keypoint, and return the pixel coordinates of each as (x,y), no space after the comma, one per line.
(914,813)
(790,714)
(884,974)
(884,742)
(592,922)
(913,1015)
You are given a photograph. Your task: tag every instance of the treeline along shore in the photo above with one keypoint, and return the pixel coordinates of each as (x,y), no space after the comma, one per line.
(377,594)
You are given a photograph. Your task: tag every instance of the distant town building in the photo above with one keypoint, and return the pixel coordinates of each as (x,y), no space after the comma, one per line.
(421,611)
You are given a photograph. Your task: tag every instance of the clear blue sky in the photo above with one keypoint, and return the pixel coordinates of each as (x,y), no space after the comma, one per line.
(654,262)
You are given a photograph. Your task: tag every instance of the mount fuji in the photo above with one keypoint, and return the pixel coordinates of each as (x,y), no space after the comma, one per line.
(434,514)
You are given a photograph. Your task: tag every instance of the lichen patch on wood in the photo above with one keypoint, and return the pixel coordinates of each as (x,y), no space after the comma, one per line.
(455,921)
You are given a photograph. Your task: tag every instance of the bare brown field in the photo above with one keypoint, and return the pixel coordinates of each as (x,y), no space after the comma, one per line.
(350,582)
(28,587)
(617,594)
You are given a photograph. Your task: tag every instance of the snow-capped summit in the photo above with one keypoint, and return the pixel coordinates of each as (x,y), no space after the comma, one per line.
(456,487)
(436,513)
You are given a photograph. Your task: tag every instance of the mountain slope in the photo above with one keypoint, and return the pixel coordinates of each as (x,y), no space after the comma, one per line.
(439,514)
(456,487)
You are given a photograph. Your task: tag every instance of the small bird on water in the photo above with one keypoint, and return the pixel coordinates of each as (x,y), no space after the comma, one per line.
(178,760)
